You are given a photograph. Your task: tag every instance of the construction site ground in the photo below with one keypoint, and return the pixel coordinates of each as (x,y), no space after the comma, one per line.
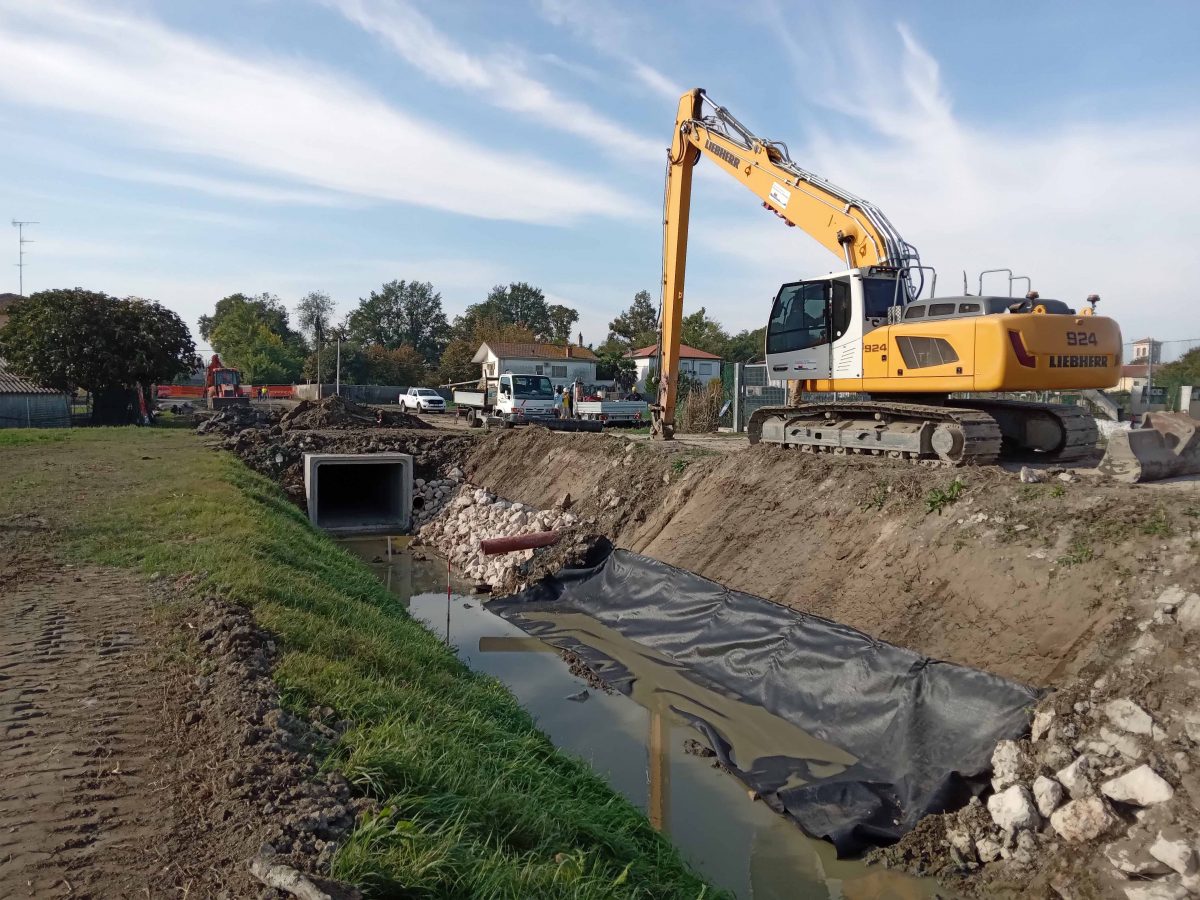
(1036,581)
(194,680)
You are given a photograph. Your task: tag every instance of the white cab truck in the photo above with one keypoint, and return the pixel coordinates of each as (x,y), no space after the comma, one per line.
(514,400)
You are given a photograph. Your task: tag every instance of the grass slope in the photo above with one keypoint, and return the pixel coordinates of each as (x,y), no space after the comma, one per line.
(476,802)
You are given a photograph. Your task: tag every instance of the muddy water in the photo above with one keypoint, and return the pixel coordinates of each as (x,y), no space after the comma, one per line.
(636,743)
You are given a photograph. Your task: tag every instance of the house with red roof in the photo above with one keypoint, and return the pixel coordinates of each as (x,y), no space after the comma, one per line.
(699,365)
(563,364)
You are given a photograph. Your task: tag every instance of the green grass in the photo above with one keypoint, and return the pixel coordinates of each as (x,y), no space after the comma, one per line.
(476,802)
(1158,525)
(16,437)
(1079,553)
(939,498)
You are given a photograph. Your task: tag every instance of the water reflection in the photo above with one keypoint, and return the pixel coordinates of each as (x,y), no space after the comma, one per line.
(638,746)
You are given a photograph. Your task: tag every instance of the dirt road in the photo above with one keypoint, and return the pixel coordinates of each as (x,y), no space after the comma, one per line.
(82,775)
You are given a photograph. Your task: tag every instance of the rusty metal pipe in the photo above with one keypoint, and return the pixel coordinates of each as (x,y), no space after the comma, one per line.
(530,541)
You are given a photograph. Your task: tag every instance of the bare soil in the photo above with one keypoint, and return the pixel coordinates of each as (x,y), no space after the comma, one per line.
(143,751)
(1019,579)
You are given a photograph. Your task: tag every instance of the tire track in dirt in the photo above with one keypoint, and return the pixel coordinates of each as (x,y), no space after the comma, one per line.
(80,713)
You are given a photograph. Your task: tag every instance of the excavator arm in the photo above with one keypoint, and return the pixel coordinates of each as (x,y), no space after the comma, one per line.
(851,228)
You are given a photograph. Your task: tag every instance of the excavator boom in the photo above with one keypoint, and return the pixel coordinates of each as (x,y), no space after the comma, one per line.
(868,332)
(848,226)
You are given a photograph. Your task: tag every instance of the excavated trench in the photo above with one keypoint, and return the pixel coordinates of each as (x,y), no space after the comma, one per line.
(646,748)
(1037,582)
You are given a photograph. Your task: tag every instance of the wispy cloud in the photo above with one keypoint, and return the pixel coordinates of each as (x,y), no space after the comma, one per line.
(499,79)
(228,187)
(1077,205)
(608,31)
(155,87)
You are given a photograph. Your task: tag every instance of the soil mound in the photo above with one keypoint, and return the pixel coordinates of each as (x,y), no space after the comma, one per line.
(338,412)
(279,454)
(233,419)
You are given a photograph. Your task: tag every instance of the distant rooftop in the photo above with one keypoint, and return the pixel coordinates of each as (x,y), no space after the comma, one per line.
(11,383)
(685,352)
(528,350)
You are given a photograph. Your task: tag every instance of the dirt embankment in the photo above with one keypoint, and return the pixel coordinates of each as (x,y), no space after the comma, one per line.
(144,752)
(1019,579)
(275,444)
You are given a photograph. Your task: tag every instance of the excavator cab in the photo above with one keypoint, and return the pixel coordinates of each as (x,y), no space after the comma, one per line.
(815,322)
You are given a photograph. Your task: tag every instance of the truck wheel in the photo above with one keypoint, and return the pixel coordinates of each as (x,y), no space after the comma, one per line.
(473,420)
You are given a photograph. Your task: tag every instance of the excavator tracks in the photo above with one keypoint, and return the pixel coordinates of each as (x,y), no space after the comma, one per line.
(935,435)
(971,432)
(1048,432)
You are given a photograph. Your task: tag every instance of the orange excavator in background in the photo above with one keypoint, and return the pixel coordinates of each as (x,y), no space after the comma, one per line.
(905,356)
(223,386)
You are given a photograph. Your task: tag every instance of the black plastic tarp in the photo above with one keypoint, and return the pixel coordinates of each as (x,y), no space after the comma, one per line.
(922,731)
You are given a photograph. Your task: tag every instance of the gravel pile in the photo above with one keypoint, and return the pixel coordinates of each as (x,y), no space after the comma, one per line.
(338,412)
(473,515)
(1103,798)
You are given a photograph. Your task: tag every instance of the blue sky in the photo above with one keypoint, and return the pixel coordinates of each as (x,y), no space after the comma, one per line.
(184,151)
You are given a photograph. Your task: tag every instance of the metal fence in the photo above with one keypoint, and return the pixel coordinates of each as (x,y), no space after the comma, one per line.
(34,411)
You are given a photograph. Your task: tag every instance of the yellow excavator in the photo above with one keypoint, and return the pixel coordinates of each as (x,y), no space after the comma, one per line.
(868,331)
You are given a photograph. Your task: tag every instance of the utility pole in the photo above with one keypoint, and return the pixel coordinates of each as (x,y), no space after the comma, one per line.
(21,242)
(337,378)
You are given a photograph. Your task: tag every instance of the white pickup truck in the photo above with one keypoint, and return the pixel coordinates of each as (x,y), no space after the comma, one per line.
(515,400)
(418,399)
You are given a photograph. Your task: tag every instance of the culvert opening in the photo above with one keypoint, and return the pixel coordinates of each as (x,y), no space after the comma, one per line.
(352,494)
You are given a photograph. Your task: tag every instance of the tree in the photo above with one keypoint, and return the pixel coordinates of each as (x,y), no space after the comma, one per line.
(267,308)
(401,313)
(73,338)
(746,346)
(246,341)
(519,304)
(703,333)
(562,320)
(314,313)
(617,366)
(352,368)
(403,366)
(637,327)
(266,360)
(455,365)
(1185,370)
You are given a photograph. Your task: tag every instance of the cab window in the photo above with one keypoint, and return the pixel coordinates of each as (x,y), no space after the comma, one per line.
(941,309)
(915,312)
(800,317)
(841,308)
(879,295)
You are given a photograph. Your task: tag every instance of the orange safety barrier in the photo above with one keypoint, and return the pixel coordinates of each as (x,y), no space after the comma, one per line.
(175,391)
(274,391)
(196,392)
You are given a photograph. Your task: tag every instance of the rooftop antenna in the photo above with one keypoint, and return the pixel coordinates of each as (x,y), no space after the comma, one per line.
(21,242)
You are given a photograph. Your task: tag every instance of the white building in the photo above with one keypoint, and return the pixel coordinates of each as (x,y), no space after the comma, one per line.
(563,364)
(697,364)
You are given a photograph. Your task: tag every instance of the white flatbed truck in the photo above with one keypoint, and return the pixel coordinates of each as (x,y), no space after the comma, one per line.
(614,412)
(510,400)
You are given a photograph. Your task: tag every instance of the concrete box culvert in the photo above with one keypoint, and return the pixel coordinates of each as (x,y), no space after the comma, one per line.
(359,493)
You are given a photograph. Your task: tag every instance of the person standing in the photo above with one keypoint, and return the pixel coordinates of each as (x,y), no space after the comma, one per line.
(568,404)
(558,401)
